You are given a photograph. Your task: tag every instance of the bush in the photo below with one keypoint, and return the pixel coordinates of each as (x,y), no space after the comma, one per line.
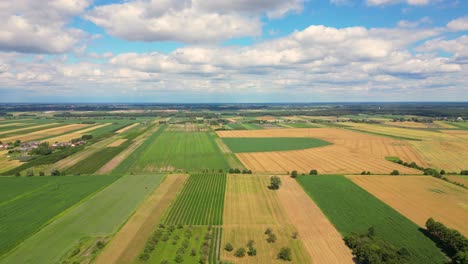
(144,256)
(442,172)
(228,247)
(268,231)
(313,172)
(395,172)
(285,254)
(55,173)
(30,173)
(240,252)
(250,243)
(294,173)
(179,258)
(271,238)
(275,183)
(252,251)
(41,173)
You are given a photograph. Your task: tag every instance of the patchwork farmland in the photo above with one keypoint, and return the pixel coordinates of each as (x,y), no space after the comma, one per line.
(171,187)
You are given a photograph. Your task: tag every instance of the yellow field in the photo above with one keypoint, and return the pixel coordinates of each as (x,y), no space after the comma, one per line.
(410,124)
(351,152)
(127,128)
(130,240)
(22,129)
(421,197)
(117,143)
(45,133)
(7,164)
(250,207)
(76,134)
(443,124)
(446,150)
(319,236)
(463,179)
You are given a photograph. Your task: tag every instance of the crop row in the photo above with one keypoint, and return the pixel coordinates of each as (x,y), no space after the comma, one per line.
(200,202)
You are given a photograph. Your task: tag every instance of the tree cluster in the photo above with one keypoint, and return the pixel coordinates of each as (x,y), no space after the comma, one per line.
(368,249)
(236,170)
(452,242)
(275,183)
(365,173)
(464,172)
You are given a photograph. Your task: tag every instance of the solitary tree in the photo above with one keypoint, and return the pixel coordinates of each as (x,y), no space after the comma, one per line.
(313,172)
(228,247)
(275,182)
(294,173)
(285,254)
(395,172)
(240,252)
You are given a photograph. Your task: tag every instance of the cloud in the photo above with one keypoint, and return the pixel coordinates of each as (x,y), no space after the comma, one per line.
(31,26)
(317,62)
(413,24)
(458,47)
(190,21)
(459,24)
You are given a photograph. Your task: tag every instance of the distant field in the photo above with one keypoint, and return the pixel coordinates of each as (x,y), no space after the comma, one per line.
(421,197)
(352,209)
(27,204)
(460,125)
(251,208)
(43,133)
(6,163)
(99,216)
(244,144)
(351,152)
(188,151)
(77,134)
(300,125)
(201,201)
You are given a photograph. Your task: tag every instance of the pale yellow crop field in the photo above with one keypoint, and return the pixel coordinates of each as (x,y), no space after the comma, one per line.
(6,163)
(44,133)
(76,134)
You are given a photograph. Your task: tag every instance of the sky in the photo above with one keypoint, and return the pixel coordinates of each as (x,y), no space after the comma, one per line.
(239,51)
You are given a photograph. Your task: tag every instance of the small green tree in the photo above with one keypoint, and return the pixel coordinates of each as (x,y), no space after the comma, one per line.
(285,254)
(228,247)
(363,173)
(179,258)
(313,172)
(268,231)
(250,243)
(395,172)
(41,173)
(271,238)
(55,172)
(252,251)
(240,252)
(368,172)
(30,173)
(275,182)
(294,174)
(442,172)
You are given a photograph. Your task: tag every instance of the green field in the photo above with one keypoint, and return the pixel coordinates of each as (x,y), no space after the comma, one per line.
(238,145)
(352,209)
(99,216)
(200,202)
(94,162)
(460,125)
(27,204)
(189,151)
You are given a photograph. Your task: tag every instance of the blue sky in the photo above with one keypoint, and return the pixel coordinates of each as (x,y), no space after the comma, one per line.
(233,51)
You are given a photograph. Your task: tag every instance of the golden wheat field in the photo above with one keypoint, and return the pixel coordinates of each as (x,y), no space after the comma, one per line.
(249,209)
(18,130)
(76,134)
(6,163)
(351,152)
(44,133)
(120,131)
(421,197)
(444,149)
(320,238)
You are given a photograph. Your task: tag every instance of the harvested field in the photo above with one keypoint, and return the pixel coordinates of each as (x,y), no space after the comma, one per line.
(73,135)
(444,124)
(244,144)
(320,238)
(131,239)
(356,152)
(6,163)
(251,208)
(267,118)
(410,124)
(419,198)
(117,143)
(18,130)
(187,127)
(122,130)
(12,124)
(45,133)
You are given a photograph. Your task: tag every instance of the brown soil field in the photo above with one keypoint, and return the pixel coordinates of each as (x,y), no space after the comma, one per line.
(6,163)
(351,152)
(250,208)
(45,133)
(458,178)
(117,143)
(76,134)
(323,242)
(128,243)
(24,128)
(421,197)
(126,128)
